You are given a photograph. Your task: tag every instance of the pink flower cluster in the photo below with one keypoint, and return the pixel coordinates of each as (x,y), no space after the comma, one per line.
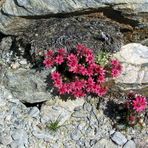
(136,102)
(136,105)
(77,73)
(116,68)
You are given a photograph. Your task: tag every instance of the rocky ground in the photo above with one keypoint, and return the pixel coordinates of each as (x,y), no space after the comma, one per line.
(81,124)
(32,117)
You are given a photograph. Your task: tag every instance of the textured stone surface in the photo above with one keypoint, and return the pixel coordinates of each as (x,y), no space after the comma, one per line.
(119,138)
(21,127)
(133,53)
(27,86)
(45,7)
(130,144)
(61,111)
(29,8)
(134,58)
(104,143)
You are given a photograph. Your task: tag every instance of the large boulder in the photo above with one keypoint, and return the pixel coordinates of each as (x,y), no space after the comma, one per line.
(134,58)
(28,86)
(136,10)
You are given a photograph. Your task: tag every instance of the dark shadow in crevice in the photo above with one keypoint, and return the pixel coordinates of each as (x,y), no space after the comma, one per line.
(38,105)
(117,112)
(109,12)
(2,36)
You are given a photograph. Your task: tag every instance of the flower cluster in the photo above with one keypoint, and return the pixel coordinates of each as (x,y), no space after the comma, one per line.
(77,72)
(136,105)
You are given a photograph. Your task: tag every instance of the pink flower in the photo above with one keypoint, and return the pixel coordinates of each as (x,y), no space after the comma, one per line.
(132,118)
(90,81)
(90,69)
(59,59)
(116,68)
(55,75)
(115,62)
(102,91)
(62,51)
(48,63)
(78,93)
(115,72)
(49,53)
(78,84)
(82,70)
(95,88)
(63,89)
(90,58)
(83,50)
(100,70)
(72,62)
(90,85)
(101,79)
(140,103)
(72,59)
(58,83)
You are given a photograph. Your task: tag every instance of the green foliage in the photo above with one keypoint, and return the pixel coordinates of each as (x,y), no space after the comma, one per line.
(53,125)
(102,58)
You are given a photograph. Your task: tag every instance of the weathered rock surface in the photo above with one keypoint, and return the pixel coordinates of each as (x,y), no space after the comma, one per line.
(119,138)
(85,126)
(134,58)
(29,8)
(27,86)
(130,144)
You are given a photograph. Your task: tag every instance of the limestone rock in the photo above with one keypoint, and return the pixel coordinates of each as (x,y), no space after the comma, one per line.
(134,58)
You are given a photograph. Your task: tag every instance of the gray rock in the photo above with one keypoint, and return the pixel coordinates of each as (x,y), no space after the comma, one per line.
(20,138)
(144,42)
(104,143)
(34,112)
(51,114)
(5,139)
(87,106)
(119,138)
(134,58)
(75,135)
(130,144)
(60,111)
(43,135)
(27,86)
(5,45)
(10,8)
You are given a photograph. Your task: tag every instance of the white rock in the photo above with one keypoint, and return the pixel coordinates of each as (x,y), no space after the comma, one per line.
(133,53)
(104,143)
(130,144)
(134,58)
(34,112)
(23,62)
(119,138)
(15,65)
